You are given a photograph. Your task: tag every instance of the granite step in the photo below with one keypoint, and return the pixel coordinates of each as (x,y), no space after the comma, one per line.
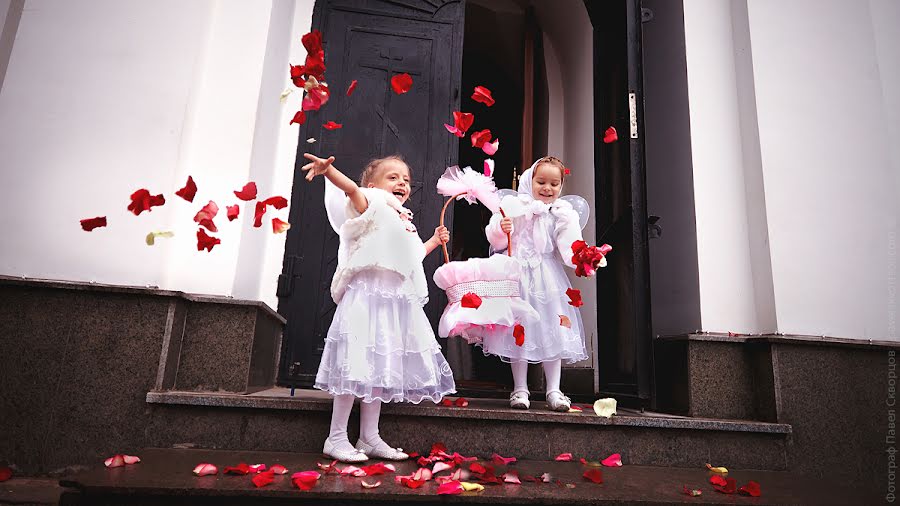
(164,477)
(273,420)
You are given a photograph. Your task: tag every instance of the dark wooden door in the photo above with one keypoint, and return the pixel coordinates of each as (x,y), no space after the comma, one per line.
(623,288)
(370,41)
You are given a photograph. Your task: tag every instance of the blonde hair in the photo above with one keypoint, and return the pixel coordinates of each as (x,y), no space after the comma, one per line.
(371,170)
(556,162)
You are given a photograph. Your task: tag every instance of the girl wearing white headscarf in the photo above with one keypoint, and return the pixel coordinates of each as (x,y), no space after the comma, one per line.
(542,232)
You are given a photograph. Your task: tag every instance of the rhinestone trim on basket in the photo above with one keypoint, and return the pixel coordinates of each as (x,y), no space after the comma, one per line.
(497,288)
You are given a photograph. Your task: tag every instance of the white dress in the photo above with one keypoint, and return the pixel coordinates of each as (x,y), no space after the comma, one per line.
(540,238)
(380,344)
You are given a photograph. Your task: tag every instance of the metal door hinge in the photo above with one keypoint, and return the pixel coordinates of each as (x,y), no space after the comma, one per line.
(632,110)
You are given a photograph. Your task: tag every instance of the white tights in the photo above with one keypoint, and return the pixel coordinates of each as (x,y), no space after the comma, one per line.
(369,414)
(552,371)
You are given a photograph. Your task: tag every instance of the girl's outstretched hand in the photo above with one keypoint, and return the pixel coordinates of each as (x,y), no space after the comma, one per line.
(317,167)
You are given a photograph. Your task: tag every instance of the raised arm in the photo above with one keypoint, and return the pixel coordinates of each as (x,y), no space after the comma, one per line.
(323,166)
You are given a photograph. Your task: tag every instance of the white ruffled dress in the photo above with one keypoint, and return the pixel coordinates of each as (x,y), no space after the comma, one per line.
(542,239)
(380,345)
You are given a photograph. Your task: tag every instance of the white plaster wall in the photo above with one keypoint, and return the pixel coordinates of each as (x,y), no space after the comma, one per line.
(826,77)
(568,49)
(141,95)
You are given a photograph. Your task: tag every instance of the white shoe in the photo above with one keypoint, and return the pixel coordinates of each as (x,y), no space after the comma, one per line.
(381,450)
(519,399)
(556,401)
(350,456)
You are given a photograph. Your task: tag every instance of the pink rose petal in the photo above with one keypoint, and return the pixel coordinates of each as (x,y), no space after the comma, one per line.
(490,148)
(564,457)
(614,460)
(205,469)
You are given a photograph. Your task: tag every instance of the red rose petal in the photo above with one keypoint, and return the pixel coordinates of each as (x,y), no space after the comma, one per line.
(305,480)
(483,95)
(299,118)
(92,223)
(729,487)
(463,121)
(564,457)
(401,83)
(479,138)
(233,212)
(519,334)
(248,192)
(564,321)
(450,488)
(5,473)
(331,125)
(610,135)
(131,459)
(141,201)
(490,148)
(377,468)
(241,468)
(315,98)
(614,460)
(276,202)
(471,300)
(438,448)
(751,488)
(502,461)
(278,469)
(115,461)
(189,190)
(411,483)
(205,216)
(264,478)
(717,480)
(477,468)
(574,297)
(351,88)
(567,171)
(446,402)
(279,226)
(461,402)
(206,242)
(594,475)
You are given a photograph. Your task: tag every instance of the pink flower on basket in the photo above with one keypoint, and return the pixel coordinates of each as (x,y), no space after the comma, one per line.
(470,185)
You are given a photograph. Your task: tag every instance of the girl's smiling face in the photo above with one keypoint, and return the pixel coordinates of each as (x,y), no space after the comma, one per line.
(393,177)
(546,183)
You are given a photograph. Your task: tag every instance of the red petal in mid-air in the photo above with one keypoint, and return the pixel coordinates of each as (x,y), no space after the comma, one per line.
(564,321)
(594,475)
(351,87)
(519,334)
(574,297)
(141,201)
(206,242)
(471,300)
(480,137)
(89,224)
(610,135)
(299,118)
(463,121)
(233,212)
(401,83)
(483,95)
(490,148)
(248,192)
(276,202)
(279,226)
(331,125)
(316,98)
(206,215)
(189,190)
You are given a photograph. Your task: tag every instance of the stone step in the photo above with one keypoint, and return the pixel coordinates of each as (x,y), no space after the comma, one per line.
(273,420)
(164,478)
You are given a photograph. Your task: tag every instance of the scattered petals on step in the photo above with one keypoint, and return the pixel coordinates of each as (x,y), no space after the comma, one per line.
(411,483)
(331,125)
(350,90)
(441,466)
(605,407)
(610,135)
(5,473)
(378,468)
(461,402)
(206,215)
(717,470)
(614,460)
(751,488)
(131,459)
(471,487)
(471,300)
(261,479)
(205,241)
(574,297)
(423,474)
(446,402)
(564,457)
(693,492)
(564,321)
(483,95)
(189,190)
(115,461)
(480,137)
(450,488)
(456,457)
(205,469)
(89,224)
(438,448)
(591,463)
(519,334)
(279,226)
(502,461)
(305,480)
(488,167)
(477,468)
(594,475)
(278,469)
(347,471)
(258,468)
(575,409)
(247,193)
(729,487)
(141,201)
(490,148)
(284,95)
(511,477)
(241,468)
(364,483)
(401,83)
(717,480)
(233,212)
(299,118)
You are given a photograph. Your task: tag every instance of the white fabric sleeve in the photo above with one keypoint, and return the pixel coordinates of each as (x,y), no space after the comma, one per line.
(495,235)
(566,232)
(358,223)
